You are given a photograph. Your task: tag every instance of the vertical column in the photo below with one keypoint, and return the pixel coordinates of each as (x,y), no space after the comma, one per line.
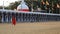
(17,17)
(35,17)
(23,17)
(20,17)
(7,17)
(10,17)
(26,17)
(0,17)
(31,17)
(3,19)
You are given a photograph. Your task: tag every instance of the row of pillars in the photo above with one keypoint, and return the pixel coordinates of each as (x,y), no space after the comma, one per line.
(27,17)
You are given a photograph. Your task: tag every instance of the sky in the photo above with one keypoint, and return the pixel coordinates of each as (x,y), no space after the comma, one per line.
(6,2)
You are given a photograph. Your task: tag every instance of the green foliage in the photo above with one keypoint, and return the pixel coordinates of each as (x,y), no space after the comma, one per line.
(0,7)
(14,5)
(33,4)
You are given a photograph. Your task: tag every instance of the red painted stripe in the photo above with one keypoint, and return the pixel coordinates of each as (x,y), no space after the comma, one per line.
(25,10)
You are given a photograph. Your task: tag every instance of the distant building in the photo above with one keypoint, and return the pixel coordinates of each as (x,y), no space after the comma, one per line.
(23,7)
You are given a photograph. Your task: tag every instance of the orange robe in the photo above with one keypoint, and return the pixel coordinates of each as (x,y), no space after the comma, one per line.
(13,20)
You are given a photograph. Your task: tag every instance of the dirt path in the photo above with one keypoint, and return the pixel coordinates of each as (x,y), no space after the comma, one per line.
(31,28)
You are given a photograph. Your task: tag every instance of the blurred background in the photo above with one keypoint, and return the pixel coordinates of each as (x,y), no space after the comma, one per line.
(50,6)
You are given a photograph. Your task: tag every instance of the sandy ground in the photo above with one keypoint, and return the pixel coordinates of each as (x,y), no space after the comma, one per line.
(31,28)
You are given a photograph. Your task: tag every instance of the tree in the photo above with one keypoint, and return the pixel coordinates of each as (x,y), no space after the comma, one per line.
(14,5)
(0,7)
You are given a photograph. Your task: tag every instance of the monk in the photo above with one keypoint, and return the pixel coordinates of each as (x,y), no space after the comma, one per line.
(13,20)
